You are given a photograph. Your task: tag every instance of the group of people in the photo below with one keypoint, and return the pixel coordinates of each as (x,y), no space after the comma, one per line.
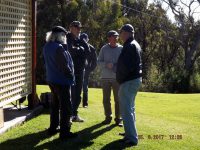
(69,60)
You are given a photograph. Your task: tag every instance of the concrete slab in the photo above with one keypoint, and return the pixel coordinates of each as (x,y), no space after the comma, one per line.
(14,117)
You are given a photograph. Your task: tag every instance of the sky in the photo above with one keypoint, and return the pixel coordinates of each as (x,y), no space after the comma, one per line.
(195,6)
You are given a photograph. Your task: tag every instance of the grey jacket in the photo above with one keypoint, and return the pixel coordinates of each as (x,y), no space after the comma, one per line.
(108,54)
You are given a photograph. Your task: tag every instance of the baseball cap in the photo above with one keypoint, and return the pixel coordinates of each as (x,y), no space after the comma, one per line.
(76,24)
(59,29)
(112,33)
(127,28)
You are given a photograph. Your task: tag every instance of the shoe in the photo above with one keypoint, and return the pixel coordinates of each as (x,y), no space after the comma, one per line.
(106,121)
(68,135)
(70,122)
(130,143)
(85,106)
(52,131)
(119,122)
(77,119)
(122,134)
(123,140)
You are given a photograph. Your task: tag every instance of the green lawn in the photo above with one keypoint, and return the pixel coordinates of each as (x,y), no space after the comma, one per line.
(160,119)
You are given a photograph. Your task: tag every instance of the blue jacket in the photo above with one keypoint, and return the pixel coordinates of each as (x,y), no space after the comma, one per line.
(59,64)
(129,65)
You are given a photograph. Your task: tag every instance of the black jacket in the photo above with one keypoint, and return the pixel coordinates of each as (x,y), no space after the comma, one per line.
(79,51)
(129,65)
(91,60)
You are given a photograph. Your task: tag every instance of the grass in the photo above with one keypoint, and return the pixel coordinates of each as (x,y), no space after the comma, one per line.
(160,117)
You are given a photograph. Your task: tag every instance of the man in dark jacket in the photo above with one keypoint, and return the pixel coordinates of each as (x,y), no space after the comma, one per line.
(60,77)
(91,64)
(79,51)
(129,72)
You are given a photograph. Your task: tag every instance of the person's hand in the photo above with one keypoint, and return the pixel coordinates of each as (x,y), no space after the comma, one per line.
(109,65)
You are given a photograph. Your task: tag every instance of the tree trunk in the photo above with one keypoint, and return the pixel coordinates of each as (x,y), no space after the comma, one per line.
(191,54)
(62,3)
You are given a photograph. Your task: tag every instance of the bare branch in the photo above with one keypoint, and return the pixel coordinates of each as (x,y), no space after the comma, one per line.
(189,7)
(184,3)
(175,8)
(171,5)
(195,9)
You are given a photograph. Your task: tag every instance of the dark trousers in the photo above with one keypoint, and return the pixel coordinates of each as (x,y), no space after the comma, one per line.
(85,88)
(76,93)
(61,108)
(107,85)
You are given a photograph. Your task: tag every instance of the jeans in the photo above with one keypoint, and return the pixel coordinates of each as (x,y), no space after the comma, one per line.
(61,108)
(85,88)
(76,93)
(106,86)
(127,93)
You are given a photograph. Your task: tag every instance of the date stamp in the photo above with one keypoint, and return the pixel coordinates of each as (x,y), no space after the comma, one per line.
(161,137)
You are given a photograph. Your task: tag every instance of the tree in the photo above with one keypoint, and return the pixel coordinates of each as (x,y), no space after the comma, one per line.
(189,36)
(170,49)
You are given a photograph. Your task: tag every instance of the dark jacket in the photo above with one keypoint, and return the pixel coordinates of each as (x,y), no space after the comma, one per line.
(129,65)
(79,51)
(91,62)
(58,63)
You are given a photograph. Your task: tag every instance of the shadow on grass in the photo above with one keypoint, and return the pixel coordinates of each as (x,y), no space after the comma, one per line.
(116,145)
(25,142)
(38,140)
(84,140)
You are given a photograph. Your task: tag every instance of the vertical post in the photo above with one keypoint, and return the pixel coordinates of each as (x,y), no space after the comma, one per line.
(32,99)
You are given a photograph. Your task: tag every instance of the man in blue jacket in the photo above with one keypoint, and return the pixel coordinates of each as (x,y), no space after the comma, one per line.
(60,77)
(128,75)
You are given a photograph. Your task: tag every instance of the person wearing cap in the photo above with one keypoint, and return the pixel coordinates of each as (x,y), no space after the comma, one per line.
(91,64)
(79,51)
(60,77)
(128,75)
(107,61)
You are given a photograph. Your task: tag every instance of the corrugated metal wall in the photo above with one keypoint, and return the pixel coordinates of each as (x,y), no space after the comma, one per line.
(15,49)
